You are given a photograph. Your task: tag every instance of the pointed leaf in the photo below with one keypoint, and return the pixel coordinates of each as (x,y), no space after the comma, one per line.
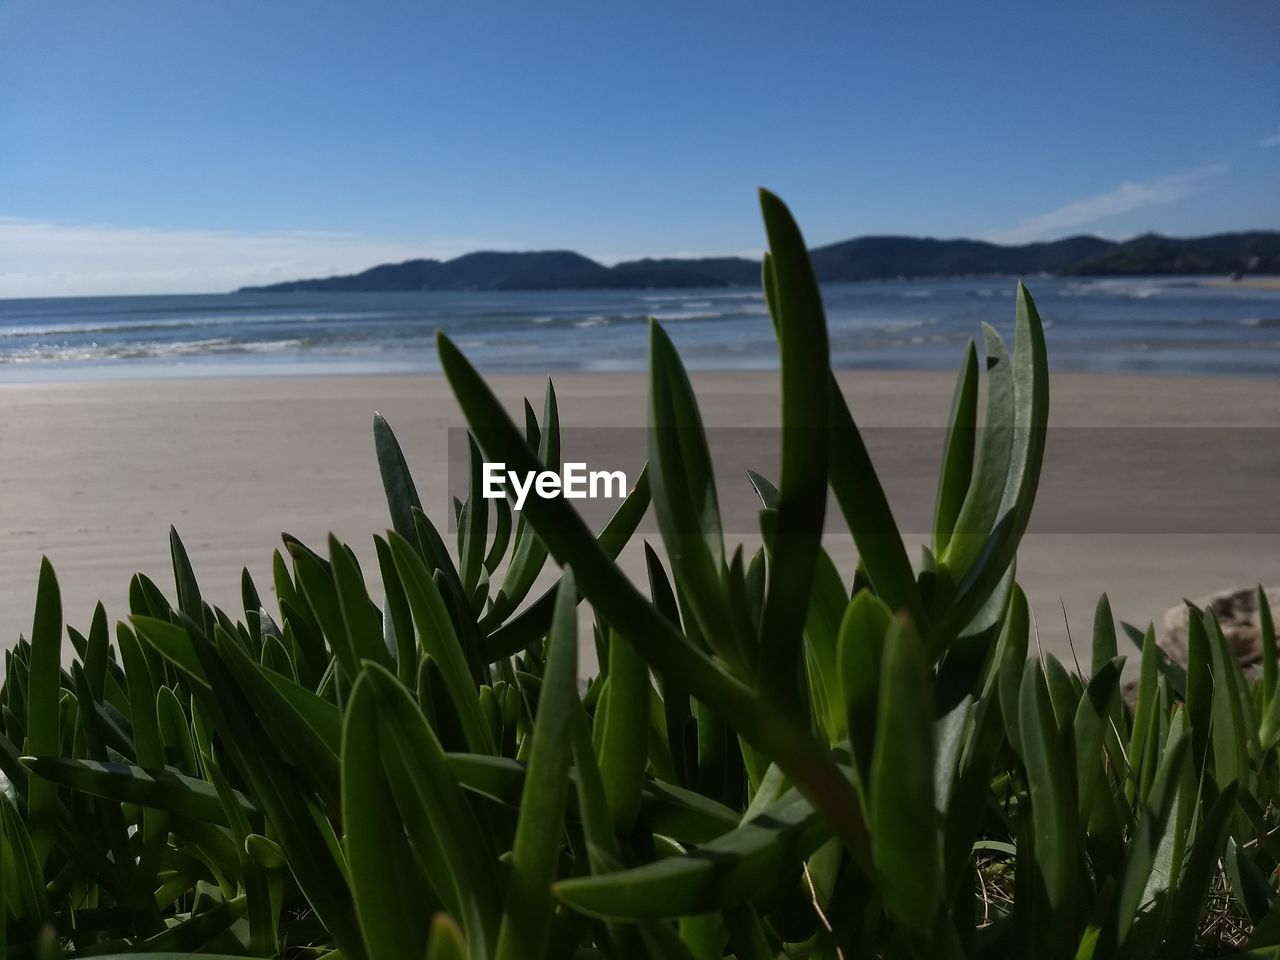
(623,733)
(1053,804)
(402,496)
(1092,725)
(802,500)
(867,513)
(535,852)
(44,680)
(440,642)
(904,817)
(684,491)
(125,783)
(957,454)
(390,890)
(715,876)
(436,814)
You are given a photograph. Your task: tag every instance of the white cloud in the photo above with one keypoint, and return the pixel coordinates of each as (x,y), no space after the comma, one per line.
(1272,141)
(1123,199)
(47,259)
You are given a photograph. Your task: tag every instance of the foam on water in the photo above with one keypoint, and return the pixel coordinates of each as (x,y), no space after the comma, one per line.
(687,314)
(1168,324)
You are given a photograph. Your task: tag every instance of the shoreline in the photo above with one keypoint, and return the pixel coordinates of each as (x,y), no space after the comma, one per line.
(1244,283)
(1164,326)
(95,375)
(96,471)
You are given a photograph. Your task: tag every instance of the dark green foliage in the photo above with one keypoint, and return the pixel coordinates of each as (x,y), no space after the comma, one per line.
(780,758)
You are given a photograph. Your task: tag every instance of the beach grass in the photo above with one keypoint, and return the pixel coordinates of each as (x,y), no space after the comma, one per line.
(776,758)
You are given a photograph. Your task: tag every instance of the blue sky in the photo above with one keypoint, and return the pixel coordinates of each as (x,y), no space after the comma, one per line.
(147,145)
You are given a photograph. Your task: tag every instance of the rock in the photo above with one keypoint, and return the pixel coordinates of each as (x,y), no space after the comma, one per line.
(1237,612)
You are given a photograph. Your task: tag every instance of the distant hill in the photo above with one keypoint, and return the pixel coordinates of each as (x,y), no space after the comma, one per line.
(1257,252)
(702,272)
(878,258)
(863,258)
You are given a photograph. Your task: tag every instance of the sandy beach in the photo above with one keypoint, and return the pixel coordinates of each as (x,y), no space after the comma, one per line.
(93,474)
(1246,283)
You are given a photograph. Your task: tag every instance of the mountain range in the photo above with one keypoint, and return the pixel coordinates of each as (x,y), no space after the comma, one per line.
(862,258)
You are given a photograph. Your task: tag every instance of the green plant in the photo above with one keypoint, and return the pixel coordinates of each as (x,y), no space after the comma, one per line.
(776,759)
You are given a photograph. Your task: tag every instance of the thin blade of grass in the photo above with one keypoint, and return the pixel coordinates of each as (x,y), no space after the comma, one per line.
(1027,420)
(1267,638)
(957,454)
(44,680)
(529,906)
(802,497)
(904,818)
(980,510)
(1104,648)
(860,651)
(158,789)
(684,492)
(1190,898)
(360,617)
(1053,810)
(440,642)
(714,877)
(1091,728)
(1231,732)
(623,733)
(397,618)
(390,890)
(428,795)
(476,529)
(1150,831)
(867,513)
(402,495)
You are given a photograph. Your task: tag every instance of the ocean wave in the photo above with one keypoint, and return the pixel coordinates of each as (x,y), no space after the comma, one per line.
(591,320)
(1116,287)
(59,329)
(703,295)
(1218,322)
(1119,318)
(687,314)
(135,325)
(880,325)
(97,352)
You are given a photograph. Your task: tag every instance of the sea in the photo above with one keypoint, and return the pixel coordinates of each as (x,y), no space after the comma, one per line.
(1149,325)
